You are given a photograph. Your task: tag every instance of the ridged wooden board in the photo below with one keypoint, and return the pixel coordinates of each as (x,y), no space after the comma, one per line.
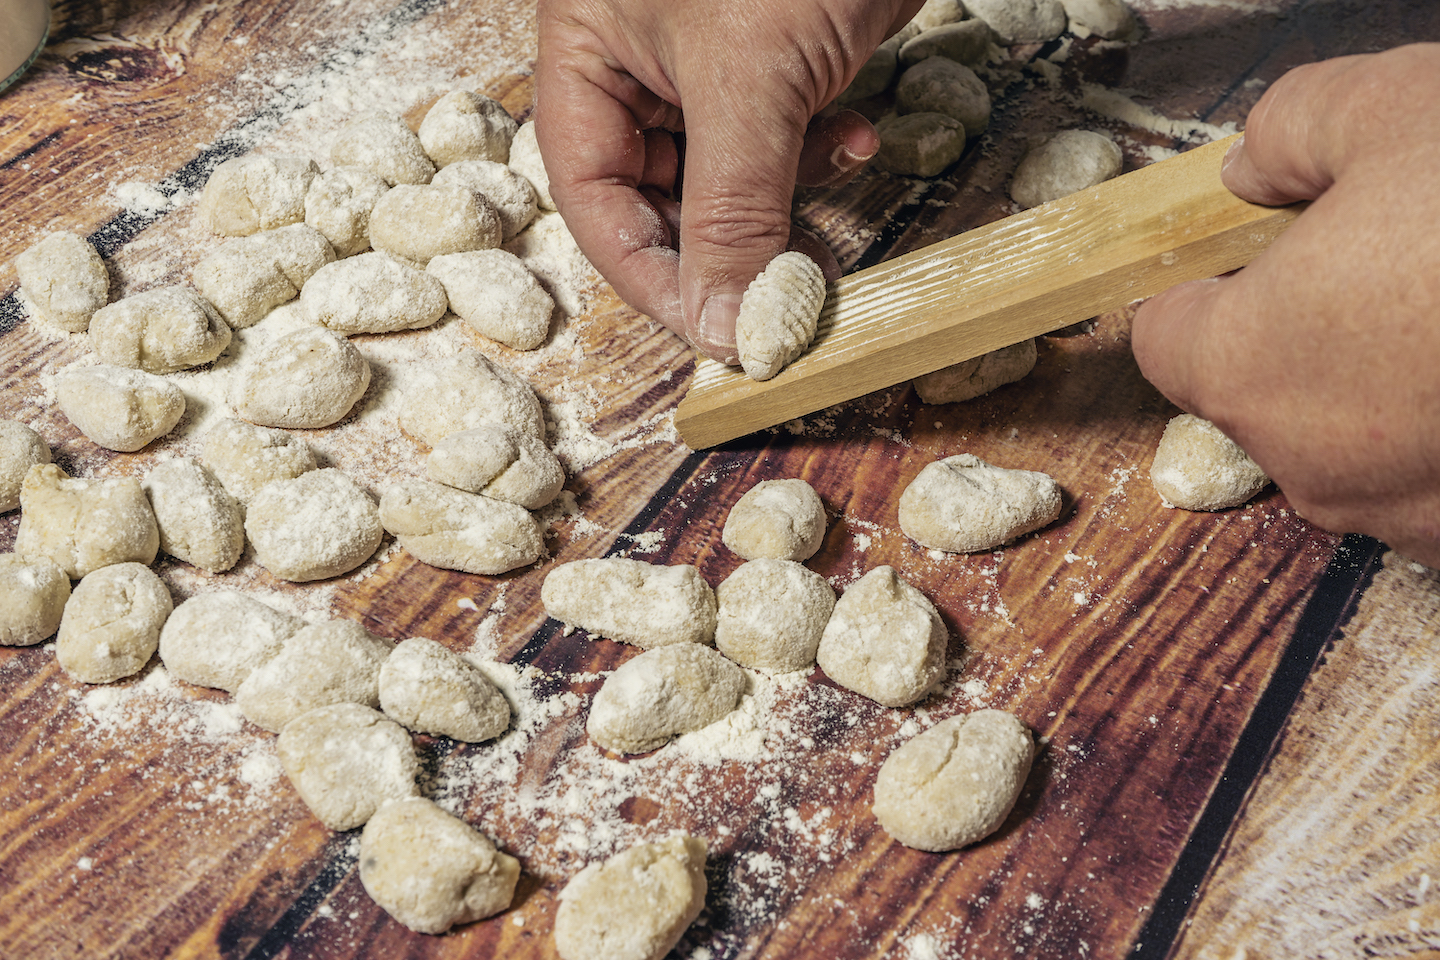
(135,820)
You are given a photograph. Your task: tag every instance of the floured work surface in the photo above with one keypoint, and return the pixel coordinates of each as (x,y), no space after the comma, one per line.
(146,819)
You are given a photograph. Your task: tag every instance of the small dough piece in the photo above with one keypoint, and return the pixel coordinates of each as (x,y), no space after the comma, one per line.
(1021,21)
(245,195)
(497,295)
(338,205)
(118,408)
(1110,19)
(20,449)
(421,222)
(428,688)
(33,592)
(966,42)
(463,125)
(500,462)
(631,601)
(779,519)
(885,640)
(455,530)
(309,378)
(525,160)
(372,293)
(159,331)
(875,75)
(383,144)
(463,392)
(977,376)
(218,639)
(937,13)
(779,314)
(661,694)
(1066,163)
(112,623)
(964,505)
(319,525)
(250,276)
(320,664)
(919,144)
(955,783)
(83,525)
(1197,467)
(64,280)
(938,85)
(347,761)
(771,615)
(199,521)
(430,870)
(508,192)
(634,906)
(246,456)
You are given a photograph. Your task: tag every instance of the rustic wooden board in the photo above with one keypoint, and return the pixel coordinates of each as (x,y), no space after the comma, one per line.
(137,821)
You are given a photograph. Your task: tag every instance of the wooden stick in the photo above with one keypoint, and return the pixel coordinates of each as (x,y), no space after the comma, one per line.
(1028,274)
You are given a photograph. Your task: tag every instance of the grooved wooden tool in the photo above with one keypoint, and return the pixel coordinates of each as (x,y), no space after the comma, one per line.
(999,284)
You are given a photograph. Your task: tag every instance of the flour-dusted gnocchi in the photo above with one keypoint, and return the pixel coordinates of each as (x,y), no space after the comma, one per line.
(431,871)
(33,592)
(20,449)
(771,614)
(500,462)
(937,13)
(940,85)
(159,331)
(963,505)
(875,74)
(463,125)
(497,295)
(419,222)
(83,524)
(218,639)
(119,408)
(967,42)
(112,622)
(508,192)
(979,375)
(309,378)
(455,530)
(525,160)
(320,524)
(885,640)
(372,293)
(245,195)
(779,314)
(199,521)
(1197,467)
(347,761)
(250,276)
(320,664)
(631,601)
(955,783)
(634,906)
(338,205)
(246,456)
(431,689)
(661,694)
(919,144)
(63,280)
(461,393)
(1110,19)
(1066,163)
(383,144)
(1021,21)
(779,519)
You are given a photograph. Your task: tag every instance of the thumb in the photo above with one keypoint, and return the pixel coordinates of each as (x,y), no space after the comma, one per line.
(742,153)
(1172,337)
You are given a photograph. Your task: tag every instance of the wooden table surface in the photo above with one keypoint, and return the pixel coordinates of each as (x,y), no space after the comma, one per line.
(1238,712)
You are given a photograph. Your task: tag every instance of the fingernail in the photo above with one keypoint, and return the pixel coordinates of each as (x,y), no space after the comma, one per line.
(847,159)
(1233,153)
(714,334)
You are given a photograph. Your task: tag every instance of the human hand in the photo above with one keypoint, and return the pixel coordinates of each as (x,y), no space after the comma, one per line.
(1320,358)
(616,79)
